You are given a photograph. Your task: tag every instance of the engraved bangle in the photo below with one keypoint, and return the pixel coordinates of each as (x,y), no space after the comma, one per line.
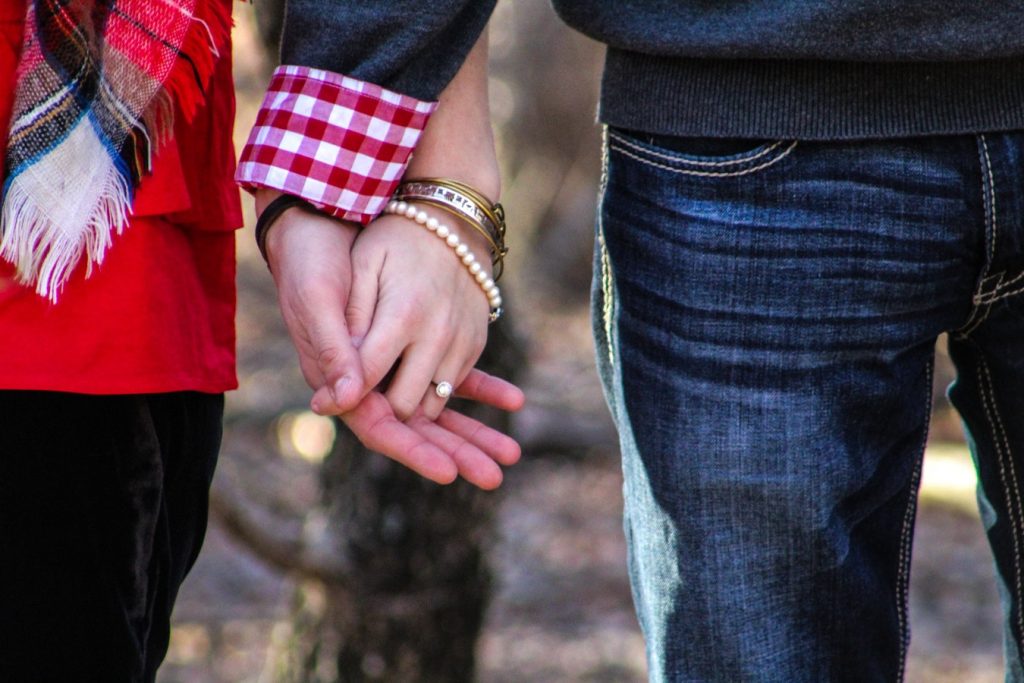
(494,211)
(465,201)
(461,198)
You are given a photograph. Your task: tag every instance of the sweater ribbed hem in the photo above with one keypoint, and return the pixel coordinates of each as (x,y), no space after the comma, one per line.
(810,100)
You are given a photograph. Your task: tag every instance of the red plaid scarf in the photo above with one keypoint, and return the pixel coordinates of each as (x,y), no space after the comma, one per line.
(98,84)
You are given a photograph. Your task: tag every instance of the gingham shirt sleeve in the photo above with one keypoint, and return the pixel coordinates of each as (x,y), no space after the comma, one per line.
(339,143)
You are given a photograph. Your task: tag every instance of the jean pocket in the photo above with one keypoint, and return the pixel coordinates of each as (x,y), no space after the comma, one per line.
(762,154)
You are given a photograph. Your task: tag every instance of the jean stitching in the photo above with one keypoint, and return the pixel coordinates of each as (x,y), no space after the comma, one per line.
(985,280)
(968,327)
(981,304)
(993,297)
(995,421)
(1001,284)
(754,154)
(991,202)
(903,575)
(980,312)
(979,300)
(607,284)
(711,174)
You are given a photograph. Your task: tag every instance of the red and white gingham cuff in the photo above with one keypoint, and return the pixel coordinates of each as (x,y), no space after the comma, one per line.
(339,143)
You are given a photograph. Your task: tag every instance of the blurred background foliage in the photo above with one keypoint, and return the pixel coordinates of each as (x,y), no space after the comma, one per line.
(325,563)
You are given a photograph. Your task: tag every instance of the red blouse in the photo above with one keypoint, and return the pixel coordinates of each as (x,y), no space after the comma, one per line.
(158,314)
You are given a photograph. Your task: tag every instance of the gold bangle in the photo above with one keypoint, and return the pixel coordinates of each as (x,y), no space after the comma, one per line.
(465,201)
(494,210)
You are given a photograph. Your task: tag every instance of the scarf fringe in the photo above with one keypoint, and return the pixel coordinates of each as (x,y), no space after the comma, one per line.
(43,252)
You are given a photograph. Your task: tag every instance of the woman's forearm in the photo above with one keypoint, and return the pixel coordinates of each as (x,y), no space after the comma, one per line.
(458,142)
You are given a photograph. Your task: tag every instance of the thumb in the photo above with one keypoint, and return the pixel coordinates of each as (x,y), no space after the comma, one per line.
(362,300)
(338,362)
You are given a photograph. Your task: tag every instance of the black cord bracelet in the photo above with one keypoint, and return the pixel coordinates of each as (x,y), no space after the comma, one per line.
(270,215)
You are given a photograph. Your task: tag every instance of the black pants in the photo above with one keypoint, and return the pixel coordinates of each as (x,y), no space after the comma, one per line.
(103,506)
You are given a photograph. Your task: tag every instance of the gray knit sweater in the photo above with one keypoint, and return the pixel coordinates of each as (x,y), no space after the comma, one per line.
(819,69)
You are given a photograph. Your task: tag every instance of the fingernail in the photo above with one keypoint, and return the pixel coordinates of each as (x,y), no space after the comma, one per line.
(339,388)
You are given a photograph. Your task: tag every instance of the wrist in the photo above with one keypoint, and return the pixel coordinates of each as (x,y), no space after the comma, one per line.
(300,223)
(263,197)
(477,243)
(274,207)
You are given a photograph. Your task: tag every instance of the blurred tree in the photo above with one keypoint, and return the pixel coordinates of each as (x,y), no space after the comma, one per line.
(411,601)
(393,579)
(395,585)
(269,21)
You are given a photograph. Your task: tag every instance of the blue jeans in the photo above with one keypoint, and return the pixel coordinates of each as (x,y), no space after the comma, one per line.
(765,326)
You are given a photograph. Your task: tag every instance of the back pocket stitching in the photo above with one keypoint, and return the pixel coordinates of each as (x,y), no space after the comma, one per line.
(711,174)
(682,159)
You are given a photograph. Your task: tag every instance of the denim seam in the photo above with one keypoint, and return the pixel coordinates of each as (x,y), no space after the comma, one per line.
(903,572)
(709,174)
(1001,285)
(981,303)
(986,280)
(750,156)
(607,284)
(995,296)
(1010,489)
(991,202)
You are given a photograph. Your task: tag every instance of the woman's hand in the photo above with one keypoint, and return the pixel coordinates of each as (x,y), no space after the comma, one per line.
(413,300)
(401,297)
(416,309)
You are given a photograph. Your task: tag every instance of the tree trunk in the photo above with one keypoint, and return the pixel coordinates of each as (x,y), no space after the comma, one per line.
(269,20)
(416,587)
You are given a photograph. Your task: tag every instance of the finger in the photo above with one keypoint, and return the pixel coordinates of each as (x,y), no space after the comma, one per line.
(499,447)
(413,379)
(474,465)
(335,357)
(494,391)
(362,300)
(449,370)
(381,347)
(310,372)
(375,425)
(322,403)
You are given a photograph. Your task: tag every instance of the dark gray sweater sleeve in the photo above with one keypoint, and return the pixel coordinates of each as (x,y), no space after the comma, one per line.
(410,46)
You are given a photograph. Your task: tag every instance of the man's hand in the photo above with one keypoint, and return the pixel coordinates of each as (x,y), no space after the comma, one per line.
(310,258)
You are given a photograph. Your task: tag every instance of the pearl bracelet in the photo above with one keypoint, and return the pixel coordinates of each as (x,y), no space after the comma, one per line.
(399,208)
